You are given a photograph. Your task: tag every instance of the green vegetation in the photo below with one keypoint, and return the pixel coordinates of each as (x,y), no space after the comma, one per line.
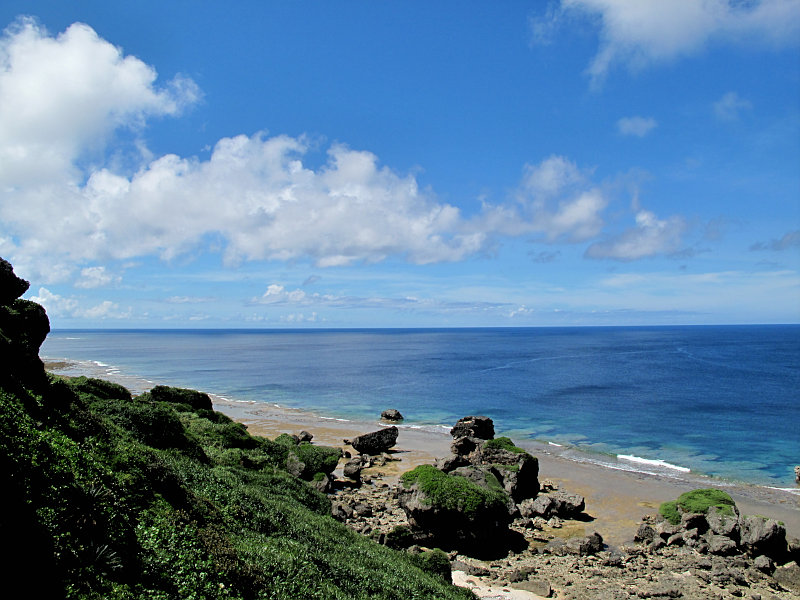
(129,498)
(161,498)
(697,501)
(503,443)
(453,492)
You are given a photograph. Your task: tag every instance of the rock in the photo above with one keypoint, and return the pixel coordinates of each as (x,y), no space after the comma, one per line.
(376,442)
(352,468)
(391,414)
(517,472)
(797,474)
(322,482)
(453,512)
(539,587)
(474,426)
(722,524)
(720,545)
(590,545)
(646,533)
(788,576)
(304,436)
(465,446)
(694,521)
(763,536)
(559,504)
(450,463)
(11,286)
(764,564)
(341,511)
(294,465)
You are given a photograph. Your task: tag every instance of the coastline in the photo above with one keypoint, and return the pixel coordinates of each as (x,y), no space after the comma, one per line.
(616,498)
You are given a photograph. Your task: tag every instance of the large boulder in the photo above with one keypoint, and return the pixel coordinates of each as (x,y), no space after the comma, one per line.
(760,535)
(376,442)
(453,511)
(558,504)
(517,471)
(474,426)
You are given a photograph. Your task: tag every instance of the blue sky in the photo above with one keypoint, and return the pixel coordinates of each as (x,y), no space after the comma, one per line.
(364,164)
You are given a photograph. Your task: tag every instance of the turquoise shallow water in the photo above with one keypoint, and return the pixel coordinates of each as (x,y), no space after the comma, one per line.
(722,401)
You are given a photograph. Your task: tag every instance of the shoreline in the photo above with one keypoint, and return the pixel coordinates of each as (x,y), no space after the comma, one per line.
(616,498)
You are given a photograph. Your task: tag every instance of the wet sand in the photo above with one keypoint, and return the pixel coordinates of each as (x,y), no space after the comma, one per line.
(616,500)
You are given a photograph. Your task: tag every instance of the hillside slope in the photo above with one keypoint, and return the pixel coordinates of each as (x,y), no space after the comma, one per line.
(109,496)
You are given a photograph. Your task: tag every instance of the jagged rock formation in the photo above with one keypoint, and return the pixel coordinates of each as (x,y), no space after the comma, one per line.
(23,327)
(376,442)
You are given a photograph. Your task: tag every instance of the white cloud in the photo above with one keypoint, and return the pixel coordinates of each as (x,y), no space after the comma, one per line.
(93,277)
(649,237)
(63,96)
(637,126)
(58,306)
(555,199)
(639,33)
(730,106)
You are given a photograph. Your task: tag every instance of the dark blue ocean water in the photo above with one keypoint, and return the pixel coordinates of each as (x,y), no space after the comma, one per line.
(722,401)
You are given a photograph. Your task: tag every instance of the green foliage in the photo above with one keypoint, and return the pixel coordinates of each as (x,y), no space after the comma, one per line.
(161,498)
(453,492)
(399,537)
(196,400)
(318,459)
(503,443)
(669,510)
(435,562)
(697,501)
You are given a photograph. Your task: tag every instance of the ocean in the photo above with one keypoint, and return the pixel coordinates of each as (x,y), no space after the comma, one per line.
(721,401)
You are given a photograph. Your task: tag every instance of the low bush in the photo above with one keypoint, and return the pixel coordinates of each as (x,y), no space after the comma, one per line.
(697,501)
(503,443)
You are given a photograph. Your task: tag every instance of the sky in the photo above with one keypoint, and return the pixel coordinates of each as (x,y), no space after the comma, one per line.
(402,164)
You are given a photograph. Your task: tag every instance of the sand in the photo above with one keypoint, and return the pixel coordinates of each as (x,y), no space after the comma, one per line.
(616,500)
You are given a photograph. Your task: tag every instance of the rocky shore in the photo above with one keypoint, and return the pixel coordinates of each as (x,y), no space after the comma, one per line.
(547,546)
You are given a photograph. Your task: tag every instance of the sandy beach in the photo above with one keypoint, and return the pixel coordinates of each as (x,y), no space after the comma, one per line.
(616,500)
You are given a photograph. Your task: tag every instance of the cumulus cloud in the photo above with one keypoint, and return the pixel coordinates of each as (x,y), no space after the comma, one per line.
(640,33)
(63,96)
(636,126)
(556,200)
(93,277)
(649,237)
(729,107)
(255,197)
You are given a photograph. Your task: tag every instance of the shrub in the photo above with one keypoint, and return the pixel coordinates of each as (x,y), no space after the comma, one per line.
(697,501)
(503,443)
(435,562)
(399,537)
(318,459)
(197,400)
(99,388)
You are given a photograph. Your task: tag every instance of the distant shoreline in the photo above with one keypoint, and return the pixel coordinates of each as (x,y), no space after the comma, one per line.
(616,498)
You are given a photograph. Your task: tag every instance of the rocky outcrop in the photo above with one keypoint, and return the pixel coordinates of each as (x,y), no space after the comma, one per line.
(558,504)
(376,442)
(23,327)
(391,414)
(474,427)
(454,511)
